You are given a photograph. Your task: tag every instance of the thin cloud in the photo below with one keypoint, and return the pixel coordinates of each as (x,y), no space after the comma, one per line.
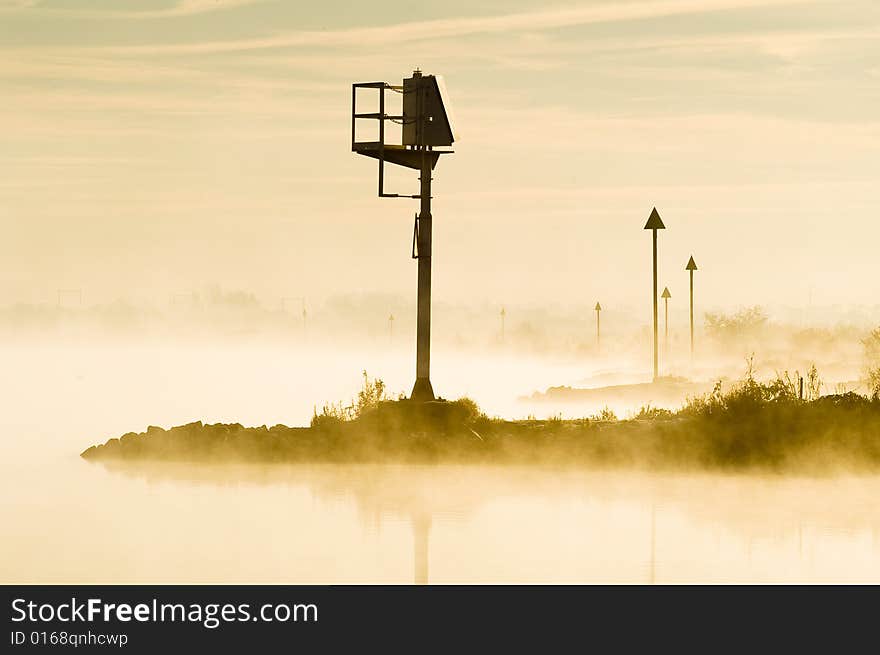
(190,7)
(182,8)
(530,21)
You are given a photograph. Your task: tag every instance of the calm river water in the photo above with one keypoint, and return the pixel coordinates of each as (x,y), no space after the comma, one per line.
(65,520)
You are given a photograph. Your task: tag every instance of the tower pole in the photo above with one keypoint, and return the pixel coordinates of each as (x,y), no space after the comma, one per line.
(422,389)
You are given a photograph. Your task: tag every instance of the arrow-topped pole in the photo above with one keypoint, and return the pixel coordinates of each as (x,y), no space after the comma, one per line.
(691,267)
(655,223)
(503,314)
(598,309)
(391,328)
(666,296)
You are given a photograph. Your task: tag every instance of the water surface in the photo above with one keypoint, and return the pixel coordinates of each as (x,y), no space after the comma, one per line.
(67,520)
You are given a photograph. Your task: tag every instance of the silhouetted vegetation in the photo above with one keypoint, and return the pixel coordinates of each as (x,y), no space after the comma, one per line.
(772,425)
(872,362)
(745,323)
(371,395)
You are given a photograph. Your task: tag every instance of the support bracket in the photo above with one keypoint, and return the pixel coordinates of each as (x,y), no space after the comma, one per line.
(415,241)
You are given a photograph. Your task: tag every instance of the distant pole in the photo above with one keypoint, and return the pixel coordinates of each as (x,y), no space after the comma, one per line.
(666,324)
(391,328)
(598,309)
(503,314)
(666,296)
(691,267)
(655,223)
(302,300)
(69,292)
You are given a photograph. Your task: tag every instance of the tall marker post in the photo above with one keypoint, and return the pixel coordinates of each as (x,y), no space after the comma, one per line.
(597,309)
(426,124)
(666,296)
(691,267)
(503,314)
(655,223)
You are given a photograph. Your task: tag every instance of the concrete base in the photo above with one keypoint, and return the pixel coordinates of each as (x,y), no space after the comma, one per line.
(422,390)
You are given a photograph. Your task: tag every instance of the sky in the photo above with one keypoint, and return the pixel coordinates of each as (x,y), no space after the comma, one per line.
(154,147)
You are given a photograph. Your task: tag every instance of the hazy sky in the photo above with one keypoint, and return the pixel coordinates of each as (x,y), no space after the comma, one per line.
(149,147)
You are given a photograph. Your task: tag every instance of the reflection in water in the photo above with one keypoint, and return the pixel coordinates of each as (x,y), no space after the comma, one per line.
(475,524)
(421,532)
(652,578)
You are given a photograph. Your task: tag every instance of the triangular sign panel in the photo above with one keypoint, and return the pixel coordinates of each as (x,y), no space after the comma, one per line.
(654,221)
(692,265)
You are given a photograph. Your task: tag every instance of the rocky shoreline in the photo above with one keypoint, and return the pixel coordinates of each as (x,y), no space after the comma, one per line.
(830,432)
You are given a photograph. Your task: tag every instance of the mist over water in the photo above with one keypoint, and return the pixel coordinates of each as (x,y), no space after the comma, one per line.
(189,237)
(68,520)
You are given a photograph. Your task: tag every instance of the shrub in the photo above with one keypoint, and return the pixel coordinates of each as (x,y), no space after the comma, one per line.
(747,322)
(871,345)
(472,411)
(369,397)
(649,413)
(607,414)
(332,414)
